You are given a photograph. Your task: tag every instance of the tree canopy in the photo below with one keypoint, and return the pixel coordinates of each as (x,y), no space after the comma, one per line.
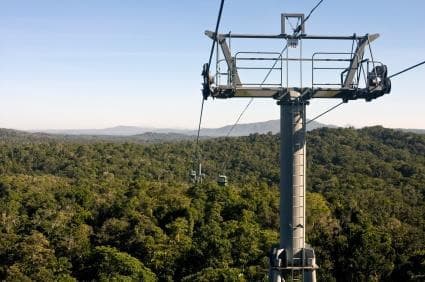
(101,210)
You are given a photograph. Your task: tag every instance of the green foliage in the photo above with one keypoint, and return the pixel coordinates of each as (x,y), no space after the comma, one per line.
(79,210)
(216,274)
(110,264)
(35,260)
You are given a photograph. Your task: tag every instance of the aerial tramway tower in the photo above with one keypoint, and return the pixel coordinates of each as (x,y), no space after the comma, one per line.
(355,76)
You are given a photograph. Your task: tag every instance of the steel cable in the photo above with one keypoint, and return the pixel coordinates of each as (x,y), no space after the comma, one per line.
(391,76)
(325,112)
(408,69)
(295,32)
(217,26)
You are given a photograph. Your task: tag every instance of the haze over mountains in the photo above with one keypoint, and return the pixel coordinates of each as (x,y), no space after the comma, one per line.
(149,134)
(240,130)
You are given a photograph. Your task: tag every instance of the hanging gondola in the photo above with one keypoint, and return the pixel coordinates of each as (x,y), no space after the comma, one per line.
(222,180)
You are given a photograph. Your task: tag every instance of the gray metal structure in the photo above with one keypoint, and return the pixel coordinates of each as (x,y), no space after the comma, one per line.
(197,176)
(294,259)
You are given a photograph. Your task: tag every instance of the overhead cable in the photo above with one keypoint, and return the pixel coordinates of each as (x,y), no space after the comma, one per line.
(391,76)
(408,69)
(220,12)
(252,99)
(296,30)
(239,117)
(325,112)
(200,122)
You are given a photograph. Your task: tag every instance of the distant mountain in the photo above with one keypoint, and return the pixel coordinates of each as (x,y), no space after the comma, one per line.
(143,135)
(18,135)
(257,127)
(240,130)
(158,136)
(417,131)
(113,131)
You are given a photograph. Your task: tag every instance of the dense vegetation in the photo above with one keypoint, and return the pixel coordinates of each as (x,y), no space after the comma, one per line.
(73,210)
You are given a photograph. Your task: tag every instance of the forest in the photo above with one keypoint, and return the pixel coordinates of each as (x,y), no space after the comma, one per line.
(100,210)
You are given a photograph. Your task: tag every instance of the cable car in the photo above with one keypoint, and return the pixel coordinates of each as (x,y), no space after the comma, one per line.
(193,176)
(222,180)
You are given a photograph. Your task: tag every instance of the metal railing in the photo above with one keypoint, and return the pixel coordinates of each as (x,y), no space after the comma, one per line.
(321,62)
(251,62)
(338,58)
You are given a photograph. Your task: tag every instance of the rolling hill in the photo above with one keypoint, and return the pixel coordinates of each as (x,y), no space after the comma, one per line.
(240,130)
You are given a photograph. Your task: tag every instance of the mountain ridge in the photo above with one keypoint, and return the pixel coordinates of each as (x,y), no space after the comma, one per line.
(240,130)
(148,134)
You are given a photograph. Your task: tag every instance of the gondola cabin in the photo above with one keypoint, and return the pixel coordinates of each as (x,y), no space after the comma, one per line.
(222,180)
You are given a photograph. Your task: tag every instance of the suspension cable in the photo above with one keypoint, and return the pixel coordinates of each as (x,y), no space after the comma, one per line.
(299,28)
(408,69)
(325,112)
(249,104)
(200,122)
(252,99)
(239,117)
(220,12)
(295,32)
(394,75)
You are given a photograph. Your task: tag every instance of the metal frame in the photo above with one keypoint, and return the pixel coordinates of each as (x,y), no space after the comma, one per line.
(211,34)
(286,17)
(348,90)
(293,254)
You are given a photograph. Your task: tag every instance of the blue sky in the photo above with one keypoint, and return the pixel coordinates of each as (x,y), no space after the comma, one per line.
(102,63)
